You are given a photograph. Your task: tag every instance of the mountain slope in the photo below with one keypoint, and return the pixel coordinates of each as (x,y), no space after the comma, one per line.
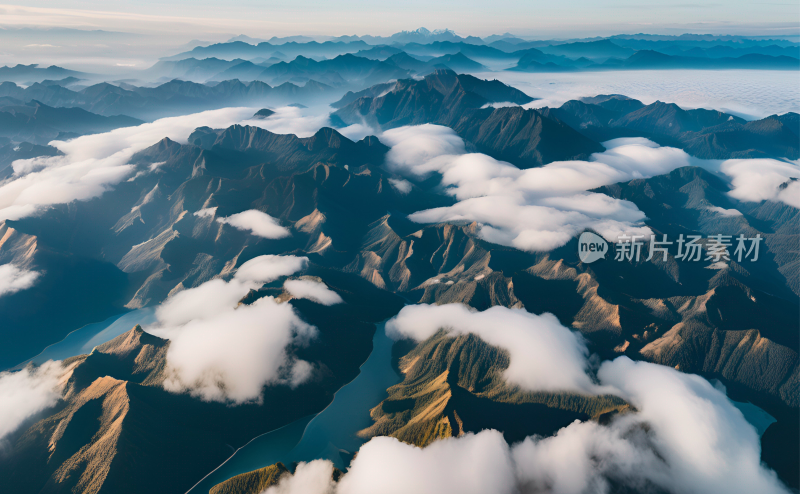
(523,137)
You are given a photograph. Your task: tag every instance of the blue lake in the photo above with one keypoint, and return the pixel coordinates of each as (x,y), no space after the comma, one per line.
(757,417)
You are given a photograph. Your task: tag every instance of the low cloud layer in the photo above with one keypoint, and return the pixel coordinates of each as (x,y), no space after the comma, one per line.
(540,209)
(14,279)
(305,122)
(757,180)
(222,351)
(312,290)
(730,91)
(256,222)
(302,122)
(27,392)
(684,436)
(705,440)
(537,209)
(544,354)
(475,463)
(95,163)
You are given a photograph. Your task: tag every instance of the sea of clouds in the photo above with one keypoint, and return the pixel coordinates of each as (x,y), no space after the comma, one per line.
(539,209)
(682,436)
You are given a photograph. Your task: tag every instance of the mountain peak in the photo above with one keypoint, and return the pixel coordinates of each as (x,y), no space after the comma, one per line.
(130,341)
(263,113)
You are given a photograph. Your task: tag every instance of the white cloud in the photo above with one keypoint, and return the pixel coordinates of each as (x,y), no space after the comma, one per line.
(256,222)
(539,209)
(27,392)
(400,185)
(302,122)
(500,104)
(95,163)
(312,290)
(684,436)
(14,279)
(315,477)
(206,213)
(705,440)
(756,180)
(356,132)
(222,351)
(474,463)
(263,269)
(544,355)
(724,212)
(536,209)
(305,122)
(730,92)
(412,148)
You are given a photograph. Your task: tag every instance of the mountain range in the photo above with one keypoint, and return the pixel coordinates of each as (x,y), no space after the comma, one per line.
(605,54)
(169,228)
(169,99)
(338,218)
(38,123)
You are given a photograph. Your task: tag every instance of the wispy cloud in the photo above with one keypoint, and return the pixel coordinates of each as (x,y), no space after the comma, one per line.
(27,392)
(93,164)
(14,279)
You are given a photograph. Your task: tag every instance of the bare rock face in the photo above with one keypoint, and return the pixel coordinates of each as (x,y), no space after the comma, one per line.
(454,385)
(526,138)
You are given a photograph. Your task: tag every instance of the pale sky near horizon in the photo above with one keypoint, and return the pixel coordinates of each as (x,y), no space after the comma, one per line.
(573,18)
(104,37)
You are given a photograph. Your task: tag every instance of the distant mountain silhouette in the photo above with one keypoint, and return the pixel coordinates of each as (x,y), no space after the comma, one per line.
(38,123)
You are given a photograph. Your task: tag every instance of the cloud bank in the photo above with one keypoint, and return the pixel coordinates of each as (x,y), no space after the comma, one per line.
(537,209)
(312,290)
(222,351)
(305,122)
(756,180)
(14,279)
(684,437)
(474,463)
(301,122)
(27,392)
(95,163)
(544,354)
(540,209)
(256,222)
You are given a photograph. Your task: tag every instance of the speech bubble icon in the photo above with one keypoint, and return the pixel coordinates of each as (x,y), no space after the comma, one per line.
(591,247)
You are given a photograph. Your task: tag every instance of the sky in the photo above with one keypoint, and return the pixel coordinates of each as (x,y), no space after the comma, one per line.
(481,18)
(104,37)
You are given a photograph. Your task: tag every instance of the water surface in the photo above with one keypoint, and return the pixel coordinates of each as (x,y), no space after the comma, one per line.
(84,339)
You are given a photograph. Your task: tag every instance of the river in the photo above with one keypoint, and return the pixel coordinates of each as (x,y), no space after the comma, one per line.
(84,339)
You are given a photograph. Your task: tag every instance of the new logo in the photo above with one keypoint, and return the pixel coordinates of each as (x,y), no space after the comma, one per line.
(591,247)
